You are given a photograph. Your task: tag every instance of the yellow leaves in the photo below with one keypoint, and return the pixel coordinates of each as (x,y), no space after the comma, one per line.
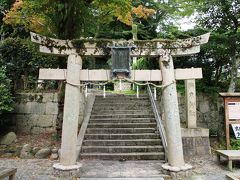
(142,12)
(127,19)
(12,15)
(139,12)
(123,10)
(36,24)
(18,15)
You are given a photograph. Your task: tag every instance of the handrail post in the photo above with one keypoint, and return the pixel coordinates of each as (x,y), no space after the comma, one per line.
(155,93)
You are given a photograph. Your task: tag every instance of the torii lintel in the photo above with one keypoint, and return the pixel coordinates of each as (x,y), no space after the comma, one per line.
(99,47)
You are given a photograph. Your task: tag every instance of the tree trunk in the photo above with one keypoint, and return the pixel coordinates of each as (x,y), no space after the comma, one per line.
(234,74)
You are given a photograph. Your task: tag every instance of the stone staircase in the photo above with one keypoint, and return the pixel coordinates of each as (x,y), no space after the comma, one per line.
(122,127)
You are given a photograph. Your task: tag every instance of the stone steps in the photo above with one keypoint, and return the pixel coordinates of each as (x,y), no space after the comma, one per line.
(121,116)
(104,112)
(129,120)
(124,156)
(113,100)
(122,142)
(126,103)
(121,149)
(118,98)
(122,108)
(120,130)
(122,136)
(122,127)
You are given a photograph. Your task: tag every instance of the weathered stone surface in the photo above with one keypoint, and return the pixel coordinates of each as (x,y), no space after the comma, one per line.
(37,130)
(43,153)
(8,139)
(196,147)
(35,112)
(195,132)
(45,121)
(174,169)
(37,108)
(35,150)
(54,155)
(210,113)
(26,152)
(54,150)
(125,86)
(26,148)
(51,108)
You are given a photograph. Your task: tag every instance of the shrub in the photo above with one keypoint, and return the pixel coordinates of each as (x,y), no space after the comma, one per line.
(6,99)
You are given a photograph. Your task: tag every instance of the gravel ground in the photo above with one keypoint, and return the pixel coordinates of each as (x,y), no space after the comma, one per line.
(205,168)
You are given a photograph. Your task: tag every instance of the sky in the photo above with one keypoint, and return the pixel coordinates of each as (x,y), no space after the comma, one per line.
(187,23)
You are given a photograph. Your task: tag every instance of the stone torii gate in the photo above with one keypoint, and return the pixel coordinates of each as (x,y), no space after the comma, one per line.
(165,50)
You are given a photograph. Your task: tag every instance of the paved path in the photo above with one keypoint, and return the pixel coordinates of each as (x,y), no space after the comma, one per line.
(42,170)
(160,178)
(204,169)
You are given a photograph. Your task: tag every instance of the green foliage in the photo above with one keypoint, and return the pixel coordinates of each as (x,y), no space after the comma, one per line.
(222,17)
(6,99)
(128,92)
(143,63)
(181,88)
(235,144)
(21,58)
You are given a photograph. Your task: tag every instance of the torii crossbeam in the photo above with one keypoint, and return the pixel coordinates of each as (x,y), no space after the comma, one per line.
(163,49)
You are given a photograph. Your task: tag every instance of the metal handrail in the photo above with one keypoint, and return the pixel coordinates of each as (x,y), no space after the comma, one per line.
(159,121)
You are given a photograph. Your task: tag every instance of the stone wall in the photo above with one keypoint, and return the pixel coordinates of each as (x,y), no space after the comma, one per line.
(210,112)
(35,112)
(39,112)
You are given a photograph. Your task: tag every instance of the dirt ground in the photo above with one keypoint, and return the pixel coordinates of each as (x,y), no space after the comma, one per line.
(41,140)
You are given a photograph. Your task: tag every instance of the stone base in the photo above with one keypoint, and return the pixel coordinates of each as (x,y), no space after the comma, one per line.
(195,143)
(176,169)
(61,167)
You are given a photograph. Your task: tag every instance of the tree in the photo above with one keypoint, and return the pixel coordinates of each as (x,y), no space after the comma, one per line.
(63,18)
(20,58)
(4,6)
(222,18)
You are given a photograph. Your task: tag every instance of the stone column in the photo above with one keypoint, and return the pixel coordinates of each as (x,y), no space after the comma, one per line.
(172,118)
(190,95)
(71,115)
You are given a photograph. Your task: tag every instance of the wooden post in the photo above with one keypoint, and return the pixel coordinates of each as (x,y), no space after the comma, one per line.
(232,113)
(227,129)
(173,128)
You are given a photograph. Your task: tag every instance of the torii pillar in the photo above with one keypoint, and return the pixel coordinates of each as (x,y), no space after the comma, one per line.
(70,115)
(173,128)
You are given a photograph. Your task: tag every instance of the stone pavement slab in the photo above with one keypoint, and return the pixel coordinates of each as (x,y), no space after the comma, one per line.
(41,169)
(142,178)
